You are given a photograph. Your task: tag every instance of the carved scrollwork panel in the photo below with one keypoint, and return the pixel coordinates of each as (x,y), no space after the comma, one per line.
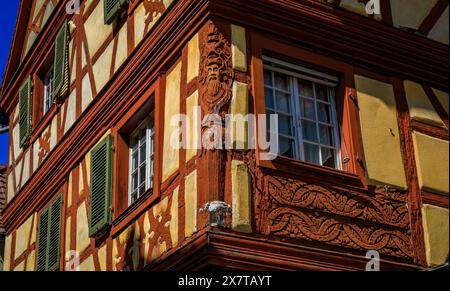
(332,215)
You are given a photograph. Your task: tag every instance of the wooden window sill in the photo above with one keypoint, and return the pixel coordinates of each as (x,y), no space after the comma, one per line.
(312,172)
(133,212)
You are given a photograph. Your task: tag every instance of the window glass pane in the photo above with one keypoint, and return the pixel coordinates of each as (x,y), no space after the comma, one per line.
(284,124)
(135,143)
(326,135)
(285,145)
(329,157)
(268,92)
(312,153)
(143,152)
(322,92)
(135,162)
(134,196)
(143,174)
(268,78)
(308,109)
(281,82)
(324,112)
(134,179)
(310,131)
(283,102)
(306,88)
(48,91)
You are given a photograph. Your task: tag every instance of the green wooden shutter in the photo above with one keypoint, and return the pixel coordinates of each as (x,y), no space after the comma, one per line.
(49,239)
(101,186)
(25,112)
(61,62)
(54,235)
(43,240)
(112,8)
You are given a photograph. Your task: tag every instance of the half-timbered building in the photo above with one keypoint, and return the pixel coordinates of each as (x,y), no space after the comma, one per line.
(94,182)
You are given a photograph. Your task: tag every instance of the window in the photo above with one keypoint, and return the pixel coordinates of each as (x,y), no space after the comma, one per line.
(141,159)
(136,148)
(49,82)
(304,101)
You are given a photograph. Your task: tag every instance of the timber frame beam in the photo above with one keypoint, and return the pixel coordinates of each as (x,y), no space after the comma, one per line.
(219,248)
(332,32)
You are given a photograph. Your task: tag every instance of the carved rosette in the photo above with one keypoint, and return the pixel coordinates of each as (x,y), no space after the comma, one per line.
(332,215)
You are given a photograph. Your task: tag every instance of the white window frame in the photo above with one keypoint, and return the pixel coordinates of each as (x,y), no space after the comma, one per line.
(295,73)
(49,82)
(148,124)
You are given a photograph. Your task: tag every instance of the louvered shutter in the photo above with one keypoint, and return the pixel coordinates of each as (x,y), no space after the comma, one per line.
(61,62)
(49,238)
(112,8)
(43,240)
(101,186)
(54,235)
(25,112)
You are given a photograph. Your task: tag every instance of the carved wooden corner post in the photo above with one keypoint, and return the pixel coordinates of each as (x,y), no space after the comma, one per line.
(215,87)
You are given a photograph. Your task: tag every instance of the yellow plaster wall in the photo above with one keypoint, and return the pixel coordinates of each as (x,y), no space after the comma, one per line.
(432,163)
(25,234)
(191,204)
(83,240)
(443,98)
(102,258)
(193,59)
(420,107)
(7,257)
(20,267)
(86,90)
(16,141)
(26,168)
(194,116)
(102,67)
(71,111)
(31,261)
(87,265)
(410,13)
(11,190)
(239,48)
(436,233)
(241,197)
(380,133)
(354,6)
(239,111)
(96,30)
(35,156)
(174,214)
(171,159)
(440,30)
(68,237)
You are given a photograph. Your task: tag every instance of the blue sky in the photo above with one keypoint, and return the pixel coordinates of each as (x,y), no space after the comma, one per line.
(8,15)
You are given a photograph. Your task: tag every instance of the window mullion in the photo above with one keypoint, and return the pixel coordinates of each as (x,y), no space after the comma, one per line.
(337,139)
(147,158)
(297,113)
(130,171)
(317,123)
